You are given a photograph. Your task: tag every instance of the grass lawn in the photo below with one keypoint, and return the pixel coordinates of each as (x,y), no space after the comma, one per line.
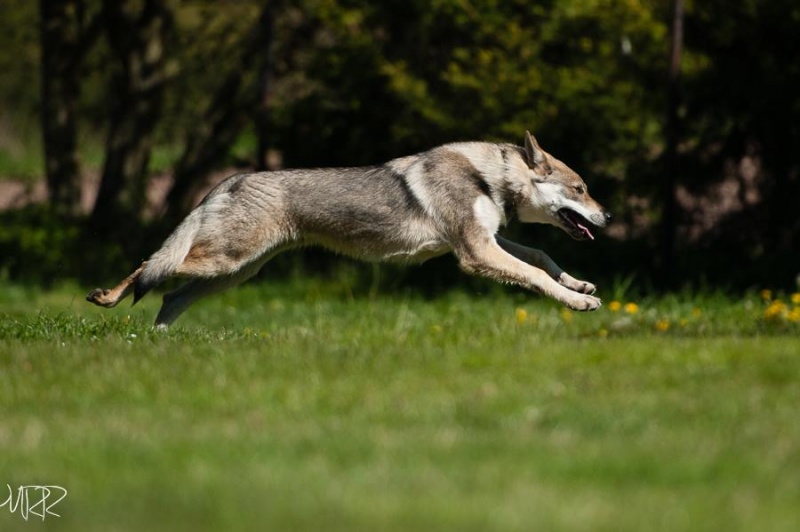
(299,408)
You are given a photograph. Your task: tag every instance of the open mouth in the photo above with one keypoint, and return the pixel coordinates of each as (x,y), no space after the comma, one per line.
(575,224)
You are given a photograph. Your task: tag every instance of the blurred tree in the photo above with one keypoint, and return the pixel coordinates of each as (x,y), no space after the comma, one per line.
(137,32)
(66,35)
(669,217)
(218,128)
(765,99)
(399,76)
(743,110)
(21,64)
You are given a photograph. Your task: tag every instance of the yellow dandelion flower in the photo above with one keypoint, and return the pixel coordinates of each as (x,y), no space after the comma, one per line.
(770,313)
(775,309)
(696,312)
(796,298)
(662,325)
(631,308)
(765,294)
(521,316)
(794,315)
(566,315)
(614,306)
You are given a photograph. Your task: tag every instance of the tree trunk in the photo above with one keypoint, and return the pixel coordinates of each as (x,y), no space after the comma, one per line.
(229,110)
(137,37)
(669,220)
(60,39)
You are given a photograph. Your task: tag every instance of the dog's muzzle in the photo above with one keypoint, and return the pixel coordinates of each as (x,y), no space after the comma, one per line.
(578,227)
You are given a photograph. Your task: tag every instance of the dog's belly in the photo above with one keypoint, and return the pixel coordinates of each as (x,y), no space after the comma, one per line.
(420,253)
(412,242)
(383,251)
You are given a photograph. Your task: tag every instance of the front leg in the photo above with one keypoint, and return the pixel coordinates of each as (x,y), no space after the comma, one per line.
(541,260)
(483,256)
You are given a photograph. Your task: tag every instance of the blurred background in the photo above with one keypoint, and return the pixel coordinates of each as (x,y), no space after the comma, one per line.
(683,117)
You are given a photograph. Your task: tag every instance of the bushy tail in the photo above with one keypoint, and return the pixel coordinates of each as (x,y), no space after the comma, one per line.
(166,260)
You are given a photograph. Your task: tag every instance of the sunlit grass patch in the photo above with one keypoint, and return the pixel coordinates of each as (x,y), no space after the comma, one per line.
(298,407)
(260,312)
(691,315)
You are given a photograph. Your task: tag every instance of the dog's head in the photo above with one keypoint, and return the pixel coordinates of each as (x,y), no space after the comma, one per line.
(557,195)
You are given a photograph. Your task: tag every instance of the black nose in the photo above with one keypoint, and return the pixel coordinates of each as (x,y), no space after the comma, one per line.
(607,216)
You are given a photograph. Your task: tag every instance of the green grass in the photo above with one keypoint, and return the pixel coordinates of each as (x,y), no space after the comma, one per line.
(304,407)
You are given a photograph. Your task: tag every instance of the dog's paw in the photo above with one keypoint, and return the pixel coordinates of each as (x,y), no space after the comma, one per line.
(99,296)
(584,303)
(582,287)
(96,295)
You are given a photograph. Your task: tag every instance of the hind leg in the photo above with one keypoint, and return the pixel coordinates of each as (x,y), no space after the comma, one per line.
(110,297)
(177,301)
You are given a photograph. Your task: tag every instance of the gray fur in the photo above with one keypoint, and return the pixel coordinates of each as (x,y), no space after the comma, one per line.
(453,198)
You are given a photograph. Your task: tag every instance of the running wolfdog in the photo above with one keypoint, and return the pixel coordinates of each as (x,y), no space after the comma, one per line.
(453,198)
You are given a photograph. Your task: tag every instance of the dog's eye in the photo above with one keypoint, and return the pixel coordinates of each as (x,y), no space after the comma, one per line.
(579,190)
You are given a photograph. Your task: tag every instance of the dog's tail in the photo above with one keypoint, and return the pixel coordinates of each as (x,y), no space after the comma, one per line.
(166,260)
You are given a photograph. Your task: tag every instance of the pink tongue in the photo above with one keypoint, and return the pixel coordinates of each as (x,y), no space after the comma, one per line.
(585,230)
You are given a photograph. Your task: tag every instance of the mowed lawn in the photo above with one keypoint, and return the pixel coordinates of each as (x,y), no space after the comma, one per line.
(299,408)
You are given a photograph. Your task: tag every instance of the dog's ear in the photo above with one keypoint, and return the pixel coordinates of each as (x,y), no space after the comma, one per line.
(536,157)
